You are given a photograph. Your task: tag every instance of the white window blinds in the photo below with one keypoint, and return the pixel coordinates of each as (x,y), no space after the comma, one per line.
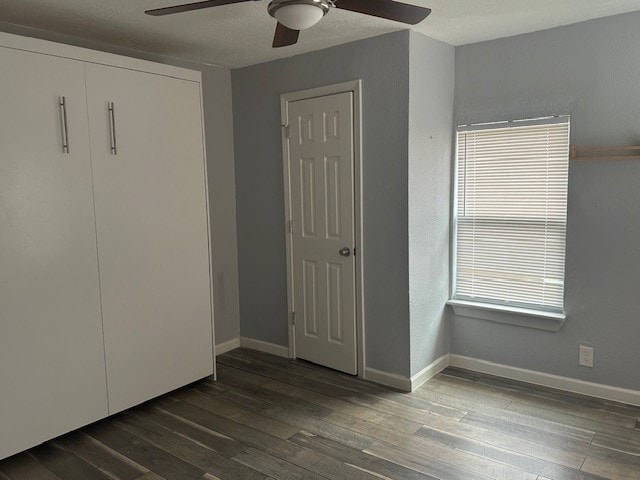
(510,213)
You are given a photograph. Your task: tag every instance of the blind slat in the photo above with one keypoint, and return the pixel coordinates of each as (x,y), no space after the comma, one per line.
(510,215)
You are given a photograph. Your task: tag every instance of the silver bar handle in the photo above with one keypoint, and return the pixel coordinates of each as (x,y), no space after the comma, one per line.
(65,124)
(112,126)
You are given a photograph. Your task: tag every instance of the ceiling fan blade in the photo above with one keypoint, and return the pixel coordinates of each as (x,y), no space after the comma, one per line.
(400,12)
(188,7)
(285,36)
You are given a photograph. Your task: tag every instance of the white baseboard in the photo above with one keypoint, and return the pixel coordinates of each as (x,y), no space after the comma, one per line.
(407,384)
(430,371)
(387,379)
(623,395)
(227,346)
(265,347)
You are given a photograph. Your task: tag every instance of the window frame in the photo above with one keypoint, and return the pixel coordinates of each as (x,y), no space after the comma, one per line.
(513,314)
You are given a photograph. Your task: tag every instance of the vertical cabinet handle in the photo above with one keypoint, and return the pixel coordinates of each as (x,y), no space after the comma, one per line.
(62,101)
(112,127)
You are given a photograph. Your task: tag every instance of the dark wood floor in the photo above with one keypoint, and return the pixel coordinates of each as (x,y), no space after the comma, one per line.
(268,418)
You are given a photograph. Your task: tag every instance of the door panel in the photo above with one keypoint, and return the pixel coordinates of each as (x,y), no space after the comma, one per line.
(152,232)
(52,371)
(322,190)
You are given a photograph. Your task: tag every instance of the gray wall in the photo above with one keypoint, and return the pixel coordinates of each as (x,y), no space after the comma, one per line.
(591,71)
(218,117)
(383,65)
(431,87)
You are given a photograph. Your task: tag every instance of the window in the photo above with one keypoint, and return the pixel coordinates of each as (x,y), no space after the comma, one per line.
(510,214)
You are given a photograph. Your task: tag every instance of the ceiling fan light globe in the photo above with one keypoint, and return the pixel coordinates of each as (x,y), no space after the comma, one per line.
(299,16)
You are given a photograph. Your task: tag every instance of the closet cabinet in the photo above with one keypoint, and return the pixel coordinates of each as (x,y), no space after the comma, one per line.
(105,290)
(147,153)
(52,371)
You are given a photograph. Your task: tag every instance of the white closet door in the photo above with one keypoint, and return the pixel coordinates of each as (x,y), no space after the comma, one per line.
(152,232)
(52,372)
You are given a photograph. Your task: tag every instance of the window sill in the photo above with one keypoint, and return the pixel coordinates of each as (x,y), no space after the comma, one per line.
(522,317)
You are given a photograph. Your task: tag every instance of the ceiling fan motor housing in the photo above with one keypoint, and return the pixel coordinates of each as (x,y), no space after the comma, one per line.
(299,14)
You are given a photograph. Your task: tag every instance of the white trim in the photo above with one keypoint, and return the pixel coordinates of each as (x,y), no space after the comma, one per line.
(209,236)
(523,317)
(430,371)
(387,379)
(355,87)
(266,347)
(623,395)
(527,122)
(45,47)
(227,346)
(405,383)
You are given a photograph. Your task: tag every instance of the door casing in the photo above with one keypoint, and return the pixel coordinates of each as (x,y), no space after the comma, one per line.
(354,86)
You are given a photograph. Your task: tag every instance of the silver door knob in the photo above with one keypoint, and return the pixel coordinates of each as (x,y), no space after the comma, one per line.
(345,252)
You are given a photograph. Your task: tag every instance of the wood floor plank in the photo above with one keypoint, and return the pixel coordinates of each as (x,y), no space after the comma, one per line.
(241,359)
(358,458)
(610,469)
(186,449)
(270,418)
(387,422)
(528,427)
(320,399)
(108,461)
(151,476)
(524,462)
(274,467)
(435,451)
(143,452)
(295,366)
(208,388)
(353,395)
(454,398)
(353,383)
(574,421)
(274,446)
(262,398)
(416,409)
(616,443)
(447,464)
(154,423)
(241,415)
(461,373)
(24,467)
(320,427)
(65,464)
(238,377)
(564,396)
(602,447)
(331,468)
(567,403)
(558,453)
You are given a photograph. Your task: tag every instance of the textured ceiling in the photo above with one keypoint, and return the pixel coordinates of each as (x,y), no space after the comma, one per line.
(241,34)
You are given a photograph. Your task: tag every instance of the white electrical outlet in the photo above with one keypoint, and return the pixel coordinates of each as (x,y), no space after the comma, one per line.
(586,356)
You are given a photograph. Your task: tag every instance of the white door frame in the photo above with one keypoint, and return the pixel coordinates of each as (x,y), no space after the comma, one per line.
(355,87)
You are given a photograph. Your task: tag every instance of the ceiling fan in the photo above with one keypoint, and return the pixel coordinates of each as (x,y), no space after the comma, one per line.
(296,15)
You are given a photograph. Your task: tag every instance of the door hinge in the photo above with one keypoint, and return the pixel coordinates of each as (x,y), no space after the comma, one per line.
(293,318)
(287,131)
(291,227)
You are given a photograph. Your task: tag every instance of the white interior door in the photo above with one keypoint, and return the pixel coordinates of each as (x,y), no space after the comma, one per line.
(151,215)
(321,157)
(52,371)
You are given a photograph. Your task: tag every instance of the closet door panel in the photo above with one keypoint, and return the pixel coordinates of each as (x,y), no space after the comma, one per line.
(151,215)
(52,370)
